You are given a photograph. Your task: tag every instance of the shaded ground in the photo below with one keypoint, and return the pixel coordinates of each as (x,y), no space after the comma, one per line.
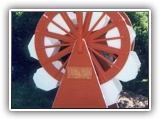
(27,96)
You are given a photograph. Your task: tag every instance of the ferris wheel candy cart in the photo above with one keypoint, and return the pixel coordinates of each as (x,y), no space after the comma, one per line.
(86,54)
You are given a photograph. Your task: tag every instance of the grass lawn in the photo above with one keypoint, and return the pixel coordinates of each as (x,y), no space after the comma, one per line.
(27,96)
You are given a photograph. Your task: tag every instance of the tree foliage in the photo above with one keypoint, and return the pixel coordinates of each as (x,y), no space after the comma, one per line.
(23,28)
(140,24)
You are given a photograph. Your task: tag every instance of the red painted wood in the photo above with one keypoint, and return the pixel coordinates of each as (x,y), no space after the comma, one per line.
(80,30)
(69,22)
(91,30)
(118,22)
(87,22)
(51,21)
(82,92)
(79,92)
(129,23)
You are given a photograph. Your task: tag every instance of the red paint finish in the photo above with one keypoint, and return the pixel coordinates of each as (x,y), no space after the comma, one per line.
(128,23)
(93,40)
(78,91)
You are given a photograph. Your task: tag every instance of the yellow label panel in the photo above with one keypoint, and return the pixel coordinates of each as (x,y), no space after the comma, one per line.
(79,72)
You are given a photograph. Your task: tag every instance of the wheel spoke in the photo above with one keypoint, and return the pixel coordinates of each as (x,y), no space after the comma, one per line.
(52,46)
(80,30)
(91,30)
(69,22)
(58,55)
(104,58)
(59,26)
(56,36)
(60,69)
(106,39)
(87,22)
(103,30)
(98,67)
(106,48)
(79,20)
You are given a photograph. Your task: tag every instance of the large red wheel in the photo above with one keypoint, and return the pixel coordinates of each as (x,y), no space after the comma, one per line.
(61,29)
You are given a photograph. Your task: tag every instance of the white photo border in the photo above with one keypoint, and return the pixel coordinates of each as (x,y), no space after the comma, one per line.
(53,10)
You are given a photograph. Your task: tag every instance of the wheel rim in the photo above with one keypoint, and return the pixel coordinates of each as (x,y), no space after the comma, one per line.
(130,24)
(94,37)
